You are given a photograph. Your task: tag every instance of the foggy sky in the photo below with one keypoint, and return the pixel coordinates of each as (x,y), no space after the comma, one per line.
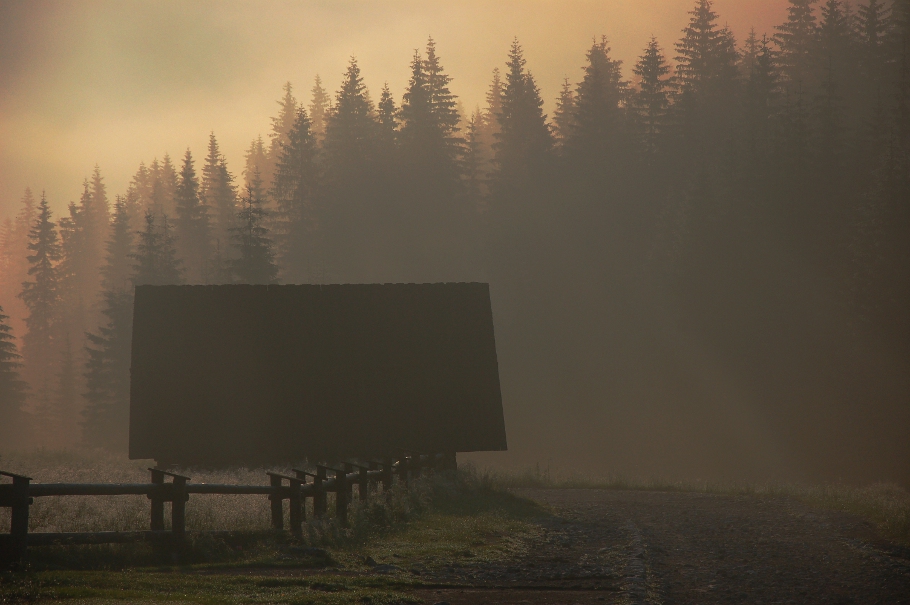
(119,82)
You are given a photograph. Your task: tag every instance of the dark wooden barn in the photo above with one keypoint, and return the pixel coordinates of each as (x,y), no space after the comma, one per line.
(266,374)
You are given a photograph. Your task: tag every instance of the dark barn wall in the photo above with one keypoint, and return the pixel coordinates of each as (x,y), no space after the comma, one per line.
(257,374)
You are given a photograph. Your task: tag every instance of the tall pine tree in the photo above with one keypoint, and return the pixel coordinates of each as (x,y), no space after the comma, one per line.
(564,113)
(795,40)
(524,144)
(254,261)
(651,101)
(354,188)
(598,142)
(14,425)
(193,230)
(155,261)
(41,296)
(320,104)
(294,189)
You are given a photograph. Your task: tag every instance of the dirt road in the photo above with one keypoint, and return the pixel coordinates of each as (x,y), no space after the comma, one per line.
(682,548)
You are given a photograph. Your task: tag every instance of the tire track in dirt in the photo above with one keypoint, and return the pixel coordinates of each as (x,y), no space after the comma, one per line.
(706,548)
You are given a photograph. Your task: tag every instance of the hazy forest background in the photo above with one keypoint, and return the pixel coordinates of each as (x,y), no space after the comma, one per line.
(700,262)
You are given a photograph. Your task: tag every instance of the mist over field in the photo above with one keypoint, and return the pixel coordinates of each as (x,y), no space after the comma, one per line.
(694,217)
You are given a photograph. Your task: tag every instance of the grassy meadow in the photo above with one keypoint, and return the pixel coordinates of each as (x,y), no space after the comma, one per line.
(436,522)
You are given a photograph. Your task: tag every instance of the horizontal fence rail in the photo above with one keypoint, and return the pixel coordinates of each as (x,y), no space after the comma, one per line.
(176,489)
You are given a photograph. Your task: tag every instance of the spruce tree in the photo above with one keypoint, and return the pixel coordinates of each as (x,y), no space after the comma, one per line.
(74,275)
(294,190)
(281,126)
(474,161)
(107,379)
(100,211)
(254,261)
(795,40)
(489,125)
(388,118)
(698,52)
(256,159)
(350,129)
(563,114)
(751,49)
(416,120)
(598,139)
(7,259)
(524,143)
(193,231)
(707,86)
(319,108)
(651,101)
(836,57)
(494,102)
(25,219)
(118,269)
(61,416)
(761,97)
(872,21)
(18,263)
(167,184)
(876,60)
(155,260)
(429,233)
(218,193)
(105,417)
(14,428)
(41,296)
(141,183)
(520,219)
(882,253)
(428,137)
(443,104)
(210,173)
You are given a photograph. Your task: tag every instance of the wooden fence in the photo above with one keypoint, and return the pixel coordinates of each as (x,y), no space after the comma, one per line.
(176,489)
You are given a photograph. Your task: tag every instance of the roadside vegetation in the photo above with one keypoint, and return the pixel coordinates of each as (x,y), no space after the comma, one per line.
(887,505)
(391,540)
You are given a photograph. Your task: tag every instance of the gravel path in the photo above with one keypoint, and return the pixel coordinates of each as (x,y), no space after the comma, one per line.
(681,548)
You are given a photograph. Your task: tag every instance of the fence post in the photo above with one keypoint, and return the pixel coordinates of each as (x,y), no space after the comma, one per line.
(302,475)
(157,520)
(388,468)
(275,498)
(319,498)
(416,466)
(296,509)
(178,509)
(342,490)
(364,490)
(373,466)
(348,469)
(403,471)
(19,521)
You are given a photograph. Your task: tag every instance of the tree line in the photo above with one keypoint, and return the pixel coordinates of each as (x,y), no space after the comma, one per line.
(743,190)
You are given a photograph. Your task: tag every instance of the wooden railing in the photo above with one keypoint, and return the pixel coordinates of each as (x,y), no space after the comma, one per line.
(176,489)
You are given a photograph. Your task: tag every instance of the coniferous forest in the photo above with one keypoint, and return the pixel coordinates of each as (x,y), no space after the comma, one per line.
(700,263)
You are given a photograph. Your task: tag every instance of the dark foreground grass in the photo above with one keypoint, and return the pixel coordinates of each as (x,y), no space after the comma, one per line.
(187,585)
(438,521)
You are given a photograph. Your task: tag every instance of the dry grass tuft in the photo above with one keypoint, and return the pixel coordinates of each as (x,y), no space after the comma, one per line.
(125,513)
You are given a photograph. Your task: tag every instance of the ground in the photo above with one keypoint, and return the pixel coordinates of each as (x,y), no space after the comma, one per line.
(578,546)
(658,547)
